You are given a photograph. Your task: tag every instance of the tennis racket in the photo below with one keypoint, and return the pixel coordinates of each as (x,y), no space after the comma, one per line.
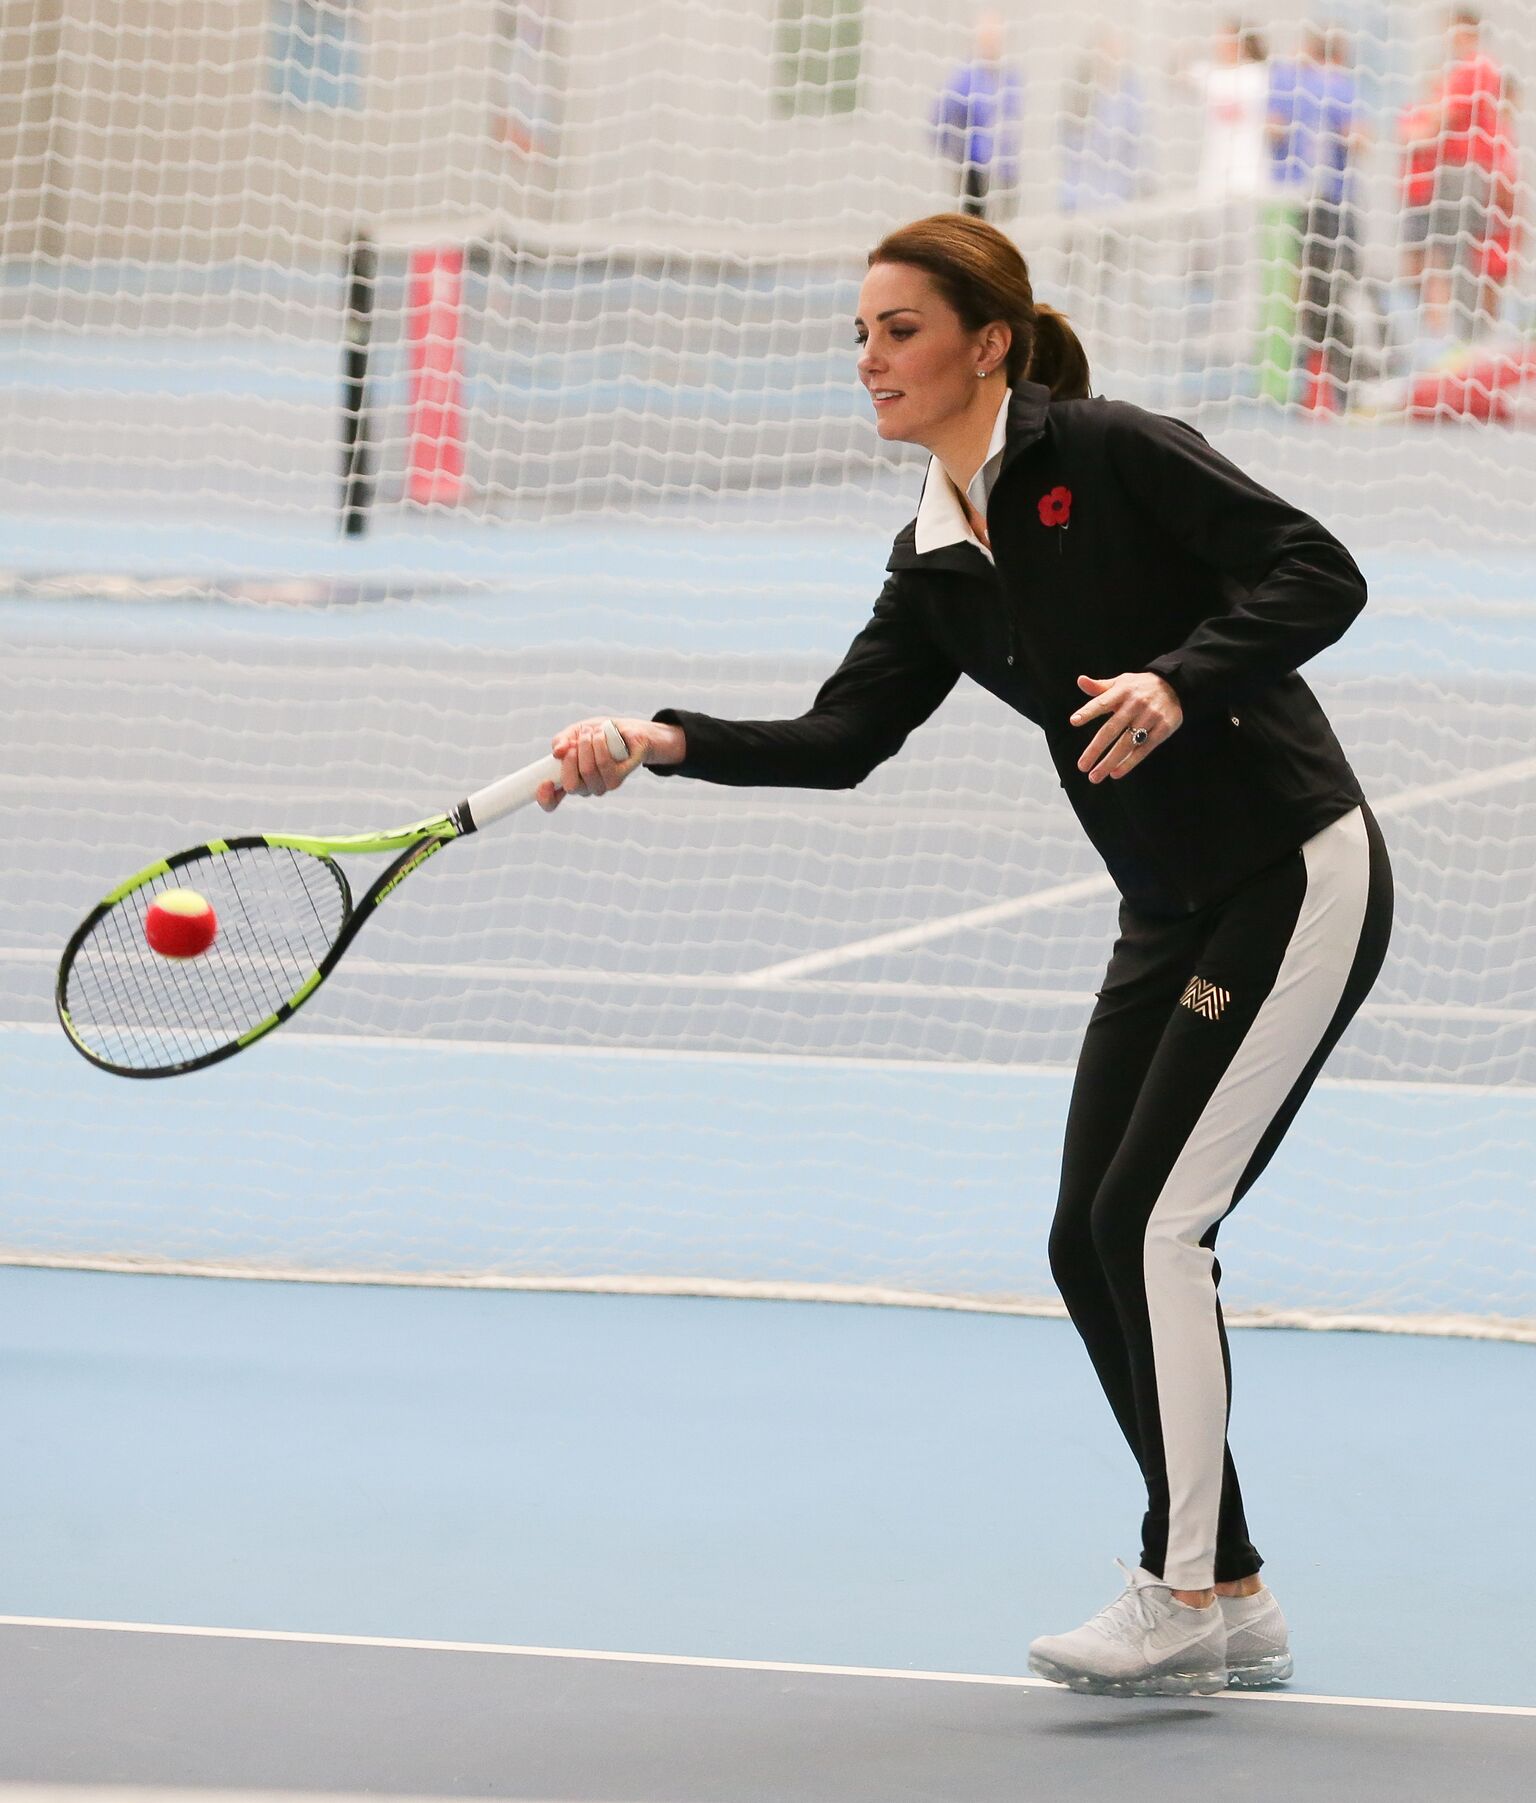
(286,914)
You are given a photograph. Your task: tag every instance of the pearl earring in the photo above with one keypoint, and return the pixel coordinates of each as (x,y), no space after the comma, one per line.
(981,375)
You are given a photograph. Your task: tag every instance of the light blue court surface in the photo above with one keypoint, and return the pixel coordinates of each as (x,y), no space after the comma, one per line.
(431,1159)
(771,1481)
(744,587)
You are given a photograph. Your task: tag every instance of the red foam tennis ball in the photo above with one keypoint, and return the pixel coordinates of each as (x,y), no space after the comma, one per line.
(180,924)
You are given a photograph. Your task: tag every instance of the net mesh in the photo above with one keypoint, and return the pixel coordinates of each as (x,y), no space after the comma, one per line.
(596,399)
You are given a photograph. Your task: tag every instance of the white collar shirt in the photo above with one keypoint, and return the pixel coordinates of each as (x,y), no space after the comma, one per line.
(941,520)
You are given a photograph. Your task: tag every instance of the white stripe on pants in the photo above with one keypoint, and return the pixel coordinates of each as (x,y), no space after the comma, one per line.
(1181,1293)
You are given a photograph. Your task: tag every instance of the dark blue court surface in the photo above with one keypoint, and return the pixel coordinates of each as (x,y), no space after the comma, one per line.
(286,1718)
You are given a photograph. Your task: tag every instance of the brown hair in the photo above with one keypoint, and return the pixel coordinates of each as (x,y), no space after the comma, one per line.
(979,271)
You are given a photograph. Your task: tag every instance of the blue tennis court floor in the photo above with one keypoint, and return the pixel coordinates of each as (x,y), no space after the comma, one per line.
(736,1480)
(266,1536)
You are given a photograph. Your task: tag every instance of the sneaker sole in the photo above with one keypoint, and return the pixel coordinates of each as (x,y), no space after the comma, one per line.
(1261,1673)
(1155,1684)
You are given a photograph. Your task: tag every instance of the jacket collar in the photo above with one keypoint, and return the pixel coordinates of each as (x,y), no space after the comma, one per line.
(940,521)
(1028,407)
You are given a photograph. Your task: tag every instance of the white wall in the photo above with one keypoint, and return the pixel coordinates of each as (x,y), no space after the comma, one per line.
(163,141)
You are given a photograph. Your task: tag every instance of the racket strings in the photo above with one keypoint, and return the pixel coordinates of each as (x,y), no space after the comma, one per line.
(265,927)
(279,913)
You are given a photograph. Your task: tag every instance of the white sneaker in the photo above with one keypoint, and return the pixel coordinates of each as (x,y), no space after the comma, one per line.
(1143,1645)
(1258,1643)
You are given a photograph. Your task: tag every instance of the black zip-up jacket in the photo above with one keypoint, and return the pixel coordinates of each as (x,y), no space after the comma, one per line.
(1169,559)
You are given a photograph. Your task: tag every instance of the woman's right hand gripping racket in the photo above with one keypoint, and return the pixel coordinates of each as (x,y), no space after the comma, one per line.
(248,930)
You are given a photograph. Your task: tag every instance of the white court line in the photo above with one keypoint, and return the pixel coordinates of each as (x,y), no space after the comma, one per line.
(737,1665)
(1088,886)
(1456,785)
(903,937)
(1502,1328)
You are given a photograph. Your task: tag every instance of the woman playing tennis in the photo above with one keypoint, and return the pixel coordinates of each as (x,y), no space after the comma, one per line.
(1112,578)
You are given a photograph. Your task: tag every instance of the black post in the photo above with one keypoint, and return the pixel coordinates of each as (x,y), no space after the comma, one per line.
(356,445)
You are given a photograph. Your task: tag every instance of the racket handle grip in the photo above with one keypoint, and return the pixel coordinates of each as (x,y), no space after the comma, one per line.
(522,786)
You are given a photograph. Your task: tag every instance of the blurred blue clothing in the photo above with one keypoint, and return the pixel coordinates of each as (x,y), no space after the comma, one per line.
(976,119)
(1101,144)
(1314,104)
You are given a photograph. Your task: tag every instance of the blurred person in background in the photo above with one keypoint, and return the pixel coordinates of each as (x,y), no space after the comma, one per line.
(1234,85)
(1495,256)
(1232,180)
(1444,374)
(1101,123)
(1450,139)
(1102,116)
(1295,114)
(1324,147)
(976,118)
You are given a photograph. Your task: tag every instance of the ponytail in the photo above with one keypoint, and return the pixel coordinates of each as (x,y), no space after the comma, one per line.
(1057,359)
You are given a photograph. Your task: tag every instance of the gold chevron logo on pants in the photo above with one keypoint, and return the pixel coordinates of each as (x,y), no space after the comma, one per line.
(1205,998)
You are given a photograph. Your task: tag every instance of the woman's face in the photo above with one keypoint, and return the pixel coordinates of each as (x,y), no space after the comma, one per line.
(917,360)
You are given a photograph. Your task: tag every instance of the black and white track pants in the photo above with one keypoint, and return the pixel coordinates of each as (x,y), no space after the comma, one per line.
(1208,1033)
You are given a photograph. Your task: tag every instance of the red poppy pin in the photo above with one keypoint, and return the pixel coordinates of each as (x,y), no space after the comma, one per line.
(1056,507)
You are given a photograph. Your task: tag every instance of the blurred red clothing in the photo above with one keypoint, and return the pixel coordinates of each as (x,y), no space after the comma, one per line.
(1457,122)
(1469,131)
(1495,252)
(1421,154)
(1492,386)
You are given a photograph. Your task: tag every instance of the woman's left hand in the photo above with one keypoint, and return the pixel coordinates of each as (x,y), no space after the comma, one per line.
(1135,702)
